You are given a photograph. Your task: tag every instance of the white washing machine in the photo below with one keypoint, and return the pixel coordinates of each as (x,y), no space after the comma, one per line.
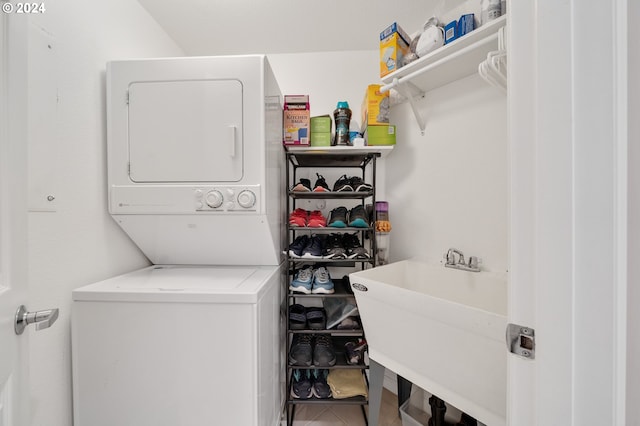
(195,179)
(178,346)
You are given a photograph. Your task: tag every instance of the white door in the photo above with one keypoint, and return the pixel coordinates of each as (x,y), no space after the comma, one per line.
(185,131)
(13,218)
(567,130)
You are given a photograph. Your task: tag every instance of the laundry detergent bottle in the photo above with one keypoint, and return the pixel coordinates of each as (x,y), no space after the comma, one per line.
(342,119)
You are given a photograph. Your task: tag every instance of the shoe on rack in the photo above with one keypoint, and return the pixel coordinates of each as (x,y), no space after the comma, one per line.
(321,184)
(296,247)
(320,388)
(298,217)
(359,185)
(349,323)
(301,352)
(316,220)
(343,184)
(322,283)
(323,353)
(358,217)
(333,247)
(313,249)
(316,318)
(354,248)
(354,351)
(301,386)
(297,317)
(338,217)
(303,281)
(304,185)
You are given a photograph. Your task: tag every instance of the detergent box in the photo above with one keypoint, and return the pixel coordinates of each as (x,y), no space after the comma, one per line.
(380,135)
(296,120)
(375,107)
(394,46)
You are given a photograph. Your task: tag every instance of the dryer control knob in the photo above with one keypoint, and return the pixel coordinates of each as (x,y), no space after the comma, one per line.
(247,199)
(214,199)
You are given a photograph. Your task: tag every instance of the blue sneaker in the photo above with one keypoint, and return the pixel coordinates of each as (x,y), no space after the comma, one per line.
(322,281)
(302,282)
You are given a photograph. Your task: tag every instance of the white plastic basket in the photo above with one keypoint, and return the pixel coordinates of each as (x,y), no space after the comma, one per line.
(413,416)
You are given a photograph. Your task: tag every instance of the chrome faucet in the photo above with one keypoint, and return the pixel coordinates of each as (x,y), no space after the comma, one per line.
(450,257)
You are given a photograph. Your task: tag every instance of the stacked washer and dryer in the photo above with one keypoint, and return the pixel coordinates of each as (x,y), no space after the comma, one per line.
(195,176)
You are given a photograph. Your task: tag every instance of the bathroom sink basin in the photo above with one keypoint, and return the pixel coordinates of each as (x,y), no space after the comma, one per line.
(440,328)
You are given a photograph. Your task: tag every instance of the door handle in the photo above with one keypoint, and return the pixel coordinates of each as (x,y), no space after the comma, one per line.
(42,319)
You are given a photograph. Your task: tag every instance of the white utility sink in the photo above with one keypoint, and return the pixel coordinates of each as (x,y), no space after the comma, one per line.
(440,328)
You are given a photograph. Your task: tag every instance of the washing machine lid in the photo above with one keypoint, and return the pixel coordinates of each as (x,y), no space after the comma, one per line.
(187,284)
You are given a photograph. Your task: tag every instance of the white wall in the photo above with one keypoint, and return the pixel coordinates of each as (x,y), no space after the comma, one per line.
(633,237)
(77,243)
(449,188)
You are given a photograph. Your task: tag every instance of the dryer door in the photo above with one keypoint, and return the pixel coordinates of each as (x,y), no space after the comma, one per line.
(185,131)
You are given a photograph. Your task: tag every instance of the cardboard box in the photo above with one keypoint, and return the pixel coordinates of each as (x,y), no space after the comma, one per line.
(296,120)
(375,107)
(394,46)
(450,32)
(466,24)
(321,124)
(380,135)
(321,139)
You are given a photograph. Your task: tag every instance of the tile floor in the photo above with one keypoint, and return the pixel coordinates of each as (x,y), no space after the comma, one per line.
(347,415)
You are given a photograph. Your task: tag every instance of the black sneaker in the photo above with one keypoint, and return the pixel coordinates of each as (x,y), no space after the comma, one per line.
(354,248)
(303,186)
(323,353)
(301,352)
(301,387)
(358,217)
(313,249)
(359,185)
(321,184)
(338,217)
(296,247)
(333,247)
(343,184)
(320,388)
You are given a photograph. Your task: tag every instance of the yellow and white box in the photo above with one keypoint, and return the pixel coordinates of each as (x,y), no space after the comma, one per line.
(375,107)
(296,120)
(394,46)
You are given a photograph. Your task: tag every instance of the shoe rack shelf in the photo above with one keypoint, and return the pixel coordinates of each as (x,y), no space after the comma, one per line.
(355,162)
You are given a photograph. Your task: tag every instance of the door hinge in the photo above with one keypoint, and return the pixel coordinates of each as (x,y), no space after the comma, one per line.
(521,341)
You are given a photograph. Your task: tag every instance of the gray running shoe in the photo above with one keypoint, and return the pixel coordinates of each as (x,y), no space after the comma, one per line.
(301,352)
(301,387)
(303,281)
(323,353)
(322,282)
(320,387)
(333,247)
(354,248)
